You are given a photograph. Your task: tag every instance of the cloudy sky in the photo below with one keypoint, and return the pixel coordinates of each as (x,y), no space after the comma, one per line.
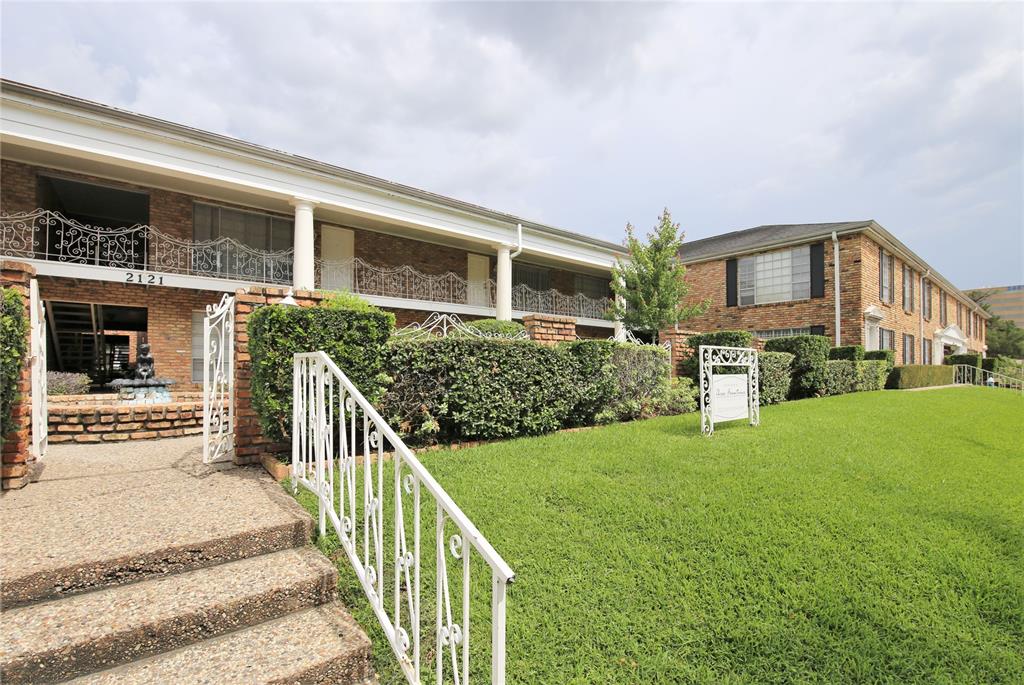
(587,116)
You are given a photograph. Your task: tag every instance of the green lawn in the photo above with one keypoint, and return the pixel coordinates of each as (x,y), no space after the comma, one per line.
(873,537)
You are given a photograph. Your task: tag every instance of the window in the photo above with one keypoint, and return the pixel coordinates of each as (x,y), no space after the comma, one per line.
(959,316)
(943,318)
(886,339)
(255,229)
(926,298)
(908,349)
(533,277)
(908,288)
(885,276)
(198,321)
(926,351)
(778,276)
(781,332)
(592,286)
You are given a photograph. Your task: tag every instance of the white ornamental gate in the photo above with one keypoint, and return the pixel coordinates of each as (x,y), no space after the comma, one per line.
(37,360)
(219,381)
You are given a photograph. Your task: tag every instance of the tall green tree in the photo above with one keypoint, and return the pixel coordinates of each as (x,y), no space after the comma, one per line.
(1003,336)
(651,285)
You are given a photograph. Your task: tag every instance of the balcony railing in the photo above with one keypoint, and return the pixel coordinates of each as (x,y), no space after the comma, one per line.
(49,235)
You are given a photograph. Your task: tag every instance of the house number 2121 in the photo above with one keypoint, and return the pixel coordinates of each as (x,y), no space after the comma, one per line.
(143,279)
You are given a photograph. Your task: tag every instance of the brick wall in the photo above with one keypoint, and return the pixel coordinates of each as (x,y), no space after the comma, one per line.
(548,329)
(169,318)
(707,282)
(17,459)
(111,423)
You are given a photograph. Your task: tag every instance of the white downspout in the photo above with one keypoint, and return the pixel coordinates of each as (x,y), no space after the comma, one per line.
(920,309)
(835,277)
(519,242)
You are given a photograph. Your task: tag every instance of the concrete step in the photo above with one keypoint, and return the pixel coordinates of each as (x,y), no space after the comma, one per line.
(315,646)
(61,639)
(73,534)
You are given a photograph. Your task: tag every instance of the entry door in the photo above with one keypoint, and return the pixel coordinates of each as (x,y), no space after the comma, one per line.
(478,271)
(337,252)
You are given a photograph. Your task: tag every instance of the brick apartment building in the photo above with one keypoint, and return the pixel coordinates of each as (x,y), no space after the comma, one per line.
(134,225)
(782,280)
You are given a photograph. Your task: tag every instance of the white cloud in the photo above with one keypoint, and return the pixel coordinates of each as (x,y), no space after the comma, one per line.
(586,116)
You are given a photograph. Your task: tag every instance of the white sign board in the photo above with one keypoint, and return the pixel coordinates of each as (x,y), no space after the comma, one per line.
(729,397)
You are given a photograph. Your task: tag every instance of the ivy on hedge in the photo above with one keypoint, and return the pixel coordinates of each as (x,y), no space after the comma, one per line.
(810,354)
(773,373)
(13,347)
(352,332)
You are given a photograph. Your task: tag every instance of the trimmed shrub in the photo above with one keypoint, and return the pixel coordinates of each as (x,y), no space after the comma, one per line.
(495,327)
(343,300)
(595,377)
(810,356)
(853,353)
(920,376)
(971,359)
(641,382)
(871,374)
(681,398)
(63,383)
(352,333)
(773,373)
(1007,366)
(888,356)
(690,366)
(840,377)
(459,388)
(13,348)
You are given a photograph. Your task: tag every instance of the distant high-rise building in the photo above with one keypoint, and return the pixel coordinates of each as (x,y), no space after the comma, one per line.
(1005,301)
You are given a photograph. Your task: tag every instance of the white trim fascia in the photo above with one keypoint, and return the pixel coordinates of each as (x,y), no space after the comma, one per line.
(110,274)
(83,134)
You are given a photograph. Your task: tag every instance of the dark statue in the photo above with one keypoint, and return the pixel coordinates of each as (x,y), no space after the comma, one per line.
(144,368)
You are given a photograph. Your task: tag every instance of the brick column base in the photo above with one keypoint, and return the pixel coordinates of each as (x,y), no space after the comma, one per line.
(549,329)
(680,347)
(18,462)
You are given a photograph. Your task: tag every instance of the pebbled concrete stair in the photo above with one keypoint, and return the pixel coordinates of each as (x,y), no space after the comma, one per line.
(151,568)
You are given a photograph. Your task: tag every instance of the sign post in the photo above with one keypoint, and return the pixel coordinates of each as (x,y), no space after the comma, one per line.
(728,396)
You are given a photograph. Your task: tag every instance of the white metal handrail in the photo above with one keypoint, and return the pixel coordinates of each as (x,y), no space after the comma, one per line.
(49,235)
(974,375)
(336,431)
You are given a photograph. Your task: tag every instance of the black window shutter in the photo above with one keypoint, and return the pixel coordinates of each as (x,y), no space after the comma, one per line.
(730,283)
(817,330)
(818,270)
(881,272)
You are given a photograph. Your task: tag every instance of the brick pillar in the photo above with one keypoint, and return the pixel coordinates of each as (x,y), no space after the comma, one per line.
(549,329)
(680,347)
(17,454)
(250,442)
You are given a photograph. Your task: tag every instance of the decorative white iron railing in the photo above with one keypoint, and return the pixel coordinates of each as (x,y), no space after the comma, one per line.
(526,299)
(441,325)
(40,412)
(972,375)
(49,235)
(219,380)
(336,434)
(403,282)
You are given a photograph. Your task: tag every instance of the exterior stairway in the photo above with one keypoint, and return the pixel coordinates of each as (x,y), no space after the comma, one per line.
(137,564)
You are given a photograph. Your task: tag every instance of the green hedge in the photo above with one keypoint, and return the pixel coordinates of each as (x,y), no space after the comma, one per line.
(352,333)
(641,382)
(496,327)
(13,348)
(971,359)
(920,376)
(840,377)
(810,354)
(690,366)
(774,376)
(853,353)
(888,356)
(1007,366)
(595,372)
(871,374)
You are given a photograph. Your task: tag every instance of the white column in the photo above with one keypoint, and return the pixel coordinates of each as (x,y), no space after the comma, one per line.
(619,329)
(303,274)
(504,294)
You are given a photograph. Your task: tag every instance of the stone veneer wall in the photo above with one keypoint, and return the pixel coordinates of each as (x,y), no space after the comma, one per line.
(114,422)
(17,454)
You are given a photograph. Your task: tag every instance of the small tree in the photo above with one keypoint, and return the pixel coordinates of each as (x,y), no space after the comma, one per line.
(651,286)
